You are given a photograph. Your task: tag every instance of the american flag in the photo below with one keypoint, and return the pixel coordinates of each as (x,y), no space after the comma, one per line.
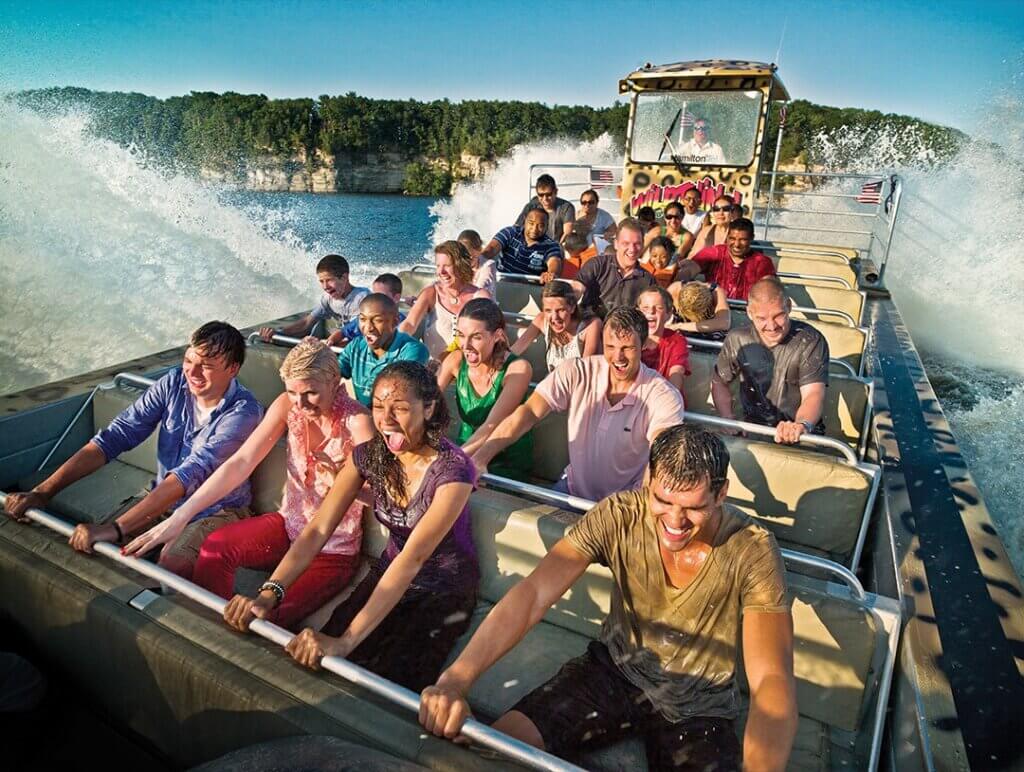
(870,192)
(601,175)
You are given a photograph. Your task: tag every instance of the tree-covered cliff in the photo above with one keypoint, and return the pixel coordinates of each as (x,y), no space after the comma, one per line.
(420,147)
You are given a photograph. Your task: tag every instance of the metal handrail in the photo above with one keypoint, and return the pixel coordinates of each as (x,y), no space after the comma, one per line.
(813,440)
(568,501)
(284,340)
(764,246)
(835,212)
(742,304)
(815,277)
(843,175)
(133,379)
(393,693)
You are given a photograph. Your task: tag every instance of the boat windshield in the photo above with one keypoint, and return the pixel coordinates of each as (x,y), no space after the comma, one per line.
(698,128)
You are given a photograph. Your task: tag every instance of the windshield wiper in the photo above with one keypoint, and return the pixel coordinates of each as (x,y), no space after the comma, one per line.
(668,135)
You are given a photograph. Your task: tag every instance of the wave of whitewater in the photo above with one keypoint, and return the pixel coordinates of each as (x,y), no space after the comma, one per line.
(104,258)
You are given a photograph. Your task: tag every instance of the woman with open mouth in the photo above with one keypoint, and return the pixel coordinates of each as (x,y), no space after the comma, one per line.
(490,382)
(403,619)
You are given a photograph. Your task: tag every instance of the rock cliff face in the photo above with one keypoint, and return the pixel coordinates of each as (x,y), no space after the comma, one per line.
(344,173)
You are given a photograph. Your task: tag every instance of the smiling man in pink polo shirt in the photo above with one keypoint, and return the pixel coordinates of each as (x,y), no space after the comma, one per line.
(616,406)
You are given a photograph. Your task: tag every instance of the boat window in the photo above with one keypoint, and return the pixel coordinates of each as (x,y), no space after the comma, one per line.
(698,128)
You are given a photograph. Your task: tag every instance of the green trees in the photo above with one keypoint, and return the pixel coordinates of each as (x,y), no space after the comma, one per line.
(228,132)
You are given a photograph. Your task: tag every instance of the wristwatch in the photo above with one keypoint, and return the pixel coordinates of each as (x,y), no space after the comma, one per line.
(808,426)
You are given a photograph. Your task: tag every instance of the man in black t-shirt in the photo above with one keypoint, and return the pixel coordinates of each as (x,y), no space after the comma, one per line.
(608,281)
(561,213)
(782,366)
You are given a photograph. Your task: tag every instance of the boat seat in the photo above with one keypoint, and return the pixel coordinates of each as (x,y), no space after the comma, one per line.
(839,644)
(847,255)
(93,498)
(260,373)
(809,265)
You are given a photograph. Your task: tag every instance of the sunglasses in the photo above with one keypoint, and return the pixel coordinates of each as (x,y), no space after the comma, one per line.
(587,203)
(673,217)
(545,195)
(721,209)
(700,128)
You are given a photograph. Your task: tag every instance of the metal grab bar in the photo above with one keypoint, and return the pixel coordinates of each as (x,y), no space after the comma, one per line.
(815,277)
(742,304)
(398,695)
(133,379)
(762,246)
(716,345)
(568,501)
(284,340)
(814,440)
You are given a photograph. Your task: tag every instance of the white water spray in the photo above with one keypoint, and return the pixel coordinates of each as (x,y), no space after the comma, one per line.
(104,259)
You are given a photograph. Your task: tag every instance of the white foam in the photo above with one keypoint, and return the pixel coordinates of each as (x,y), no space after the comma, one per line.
(105,258)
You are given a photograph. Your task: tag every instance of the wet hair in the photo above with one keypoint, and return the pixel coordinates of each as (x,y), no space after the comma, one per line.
(545,181)
(487,311)
(632,224)
(335,265)
(675,205)
(627,321)
(219,339)
(383,469)
(766,290)
(683,456)
(646,213)
(695,302)
(663,241)
(462,262)
(742,224)
(392,282)
(384,301)
(311,360)
(471,239)
(563,290)
(666,298)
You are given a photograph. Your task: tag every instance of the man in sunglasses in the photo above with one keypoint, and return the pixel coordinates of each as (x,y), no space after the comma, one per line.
(561,214)
(700,149)
(593,223)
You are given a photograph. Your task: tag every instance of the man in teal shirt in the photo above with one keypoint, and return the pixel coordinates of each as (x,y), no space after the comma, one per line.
(381,344)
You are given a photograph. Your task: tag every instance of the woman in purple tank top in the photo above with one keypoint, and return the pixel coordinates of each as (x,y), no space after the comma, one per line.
(403,619)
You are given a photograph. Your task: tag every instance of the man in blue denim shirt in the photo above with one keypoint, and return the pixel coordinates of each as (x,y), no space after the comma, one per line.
(204,416)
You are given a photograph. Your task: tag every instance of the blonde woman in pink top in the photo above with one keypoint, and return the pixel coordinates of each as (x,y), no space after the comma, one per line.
(323,424)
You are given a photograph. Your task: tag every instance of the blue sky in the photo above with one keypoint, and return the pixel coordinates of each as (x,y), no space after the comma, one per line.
(940,60)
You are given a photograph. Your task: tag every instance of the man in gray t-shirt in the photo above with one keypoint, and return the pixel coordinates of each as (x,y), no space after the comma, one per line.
(782,366)
(561,214)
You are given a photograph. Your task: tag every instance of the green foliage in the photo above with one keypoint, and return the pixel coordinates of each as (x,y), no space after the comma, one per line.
(228,131)
(425,180)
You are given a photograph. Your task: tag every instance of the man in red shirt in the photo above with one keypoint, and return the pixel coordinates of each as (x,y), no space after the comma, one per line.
(732,265)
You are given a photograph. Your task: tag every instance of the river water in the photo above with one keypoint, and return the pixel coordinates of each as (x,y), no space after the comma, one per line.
(105,258)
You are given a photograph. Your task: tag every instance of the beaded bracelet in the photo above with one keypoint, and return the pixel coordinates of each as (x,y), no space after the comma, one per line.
(275,587)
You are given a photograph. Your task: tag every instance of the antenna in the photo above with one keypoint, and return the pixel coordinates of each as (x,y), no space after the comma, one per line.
(782,37)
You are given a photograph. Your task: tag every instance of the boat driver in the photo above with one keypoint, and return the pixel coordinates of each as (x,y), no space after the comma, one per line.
(204,416)
(700,149)
(782,365)
(616,407)
(687,568)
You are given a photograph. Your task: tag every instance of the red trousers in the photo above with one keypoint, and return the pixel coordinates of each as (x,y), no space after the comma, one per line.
(260,543)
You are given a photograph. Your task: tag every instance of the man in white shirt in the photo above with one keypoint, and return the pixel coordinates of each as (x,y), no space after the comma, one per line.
(700,149)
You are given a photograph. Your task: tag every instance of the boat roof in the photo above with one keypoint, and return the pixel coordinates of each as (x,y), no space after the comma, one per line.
(702,69)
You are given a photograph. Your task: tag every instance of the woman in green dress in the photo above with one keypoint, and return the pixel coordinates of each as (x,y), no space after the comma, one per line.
(490,382)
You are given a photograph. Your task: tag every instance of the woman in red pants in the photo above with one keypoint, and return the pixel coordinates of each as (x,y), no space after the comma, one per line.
(323,425)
